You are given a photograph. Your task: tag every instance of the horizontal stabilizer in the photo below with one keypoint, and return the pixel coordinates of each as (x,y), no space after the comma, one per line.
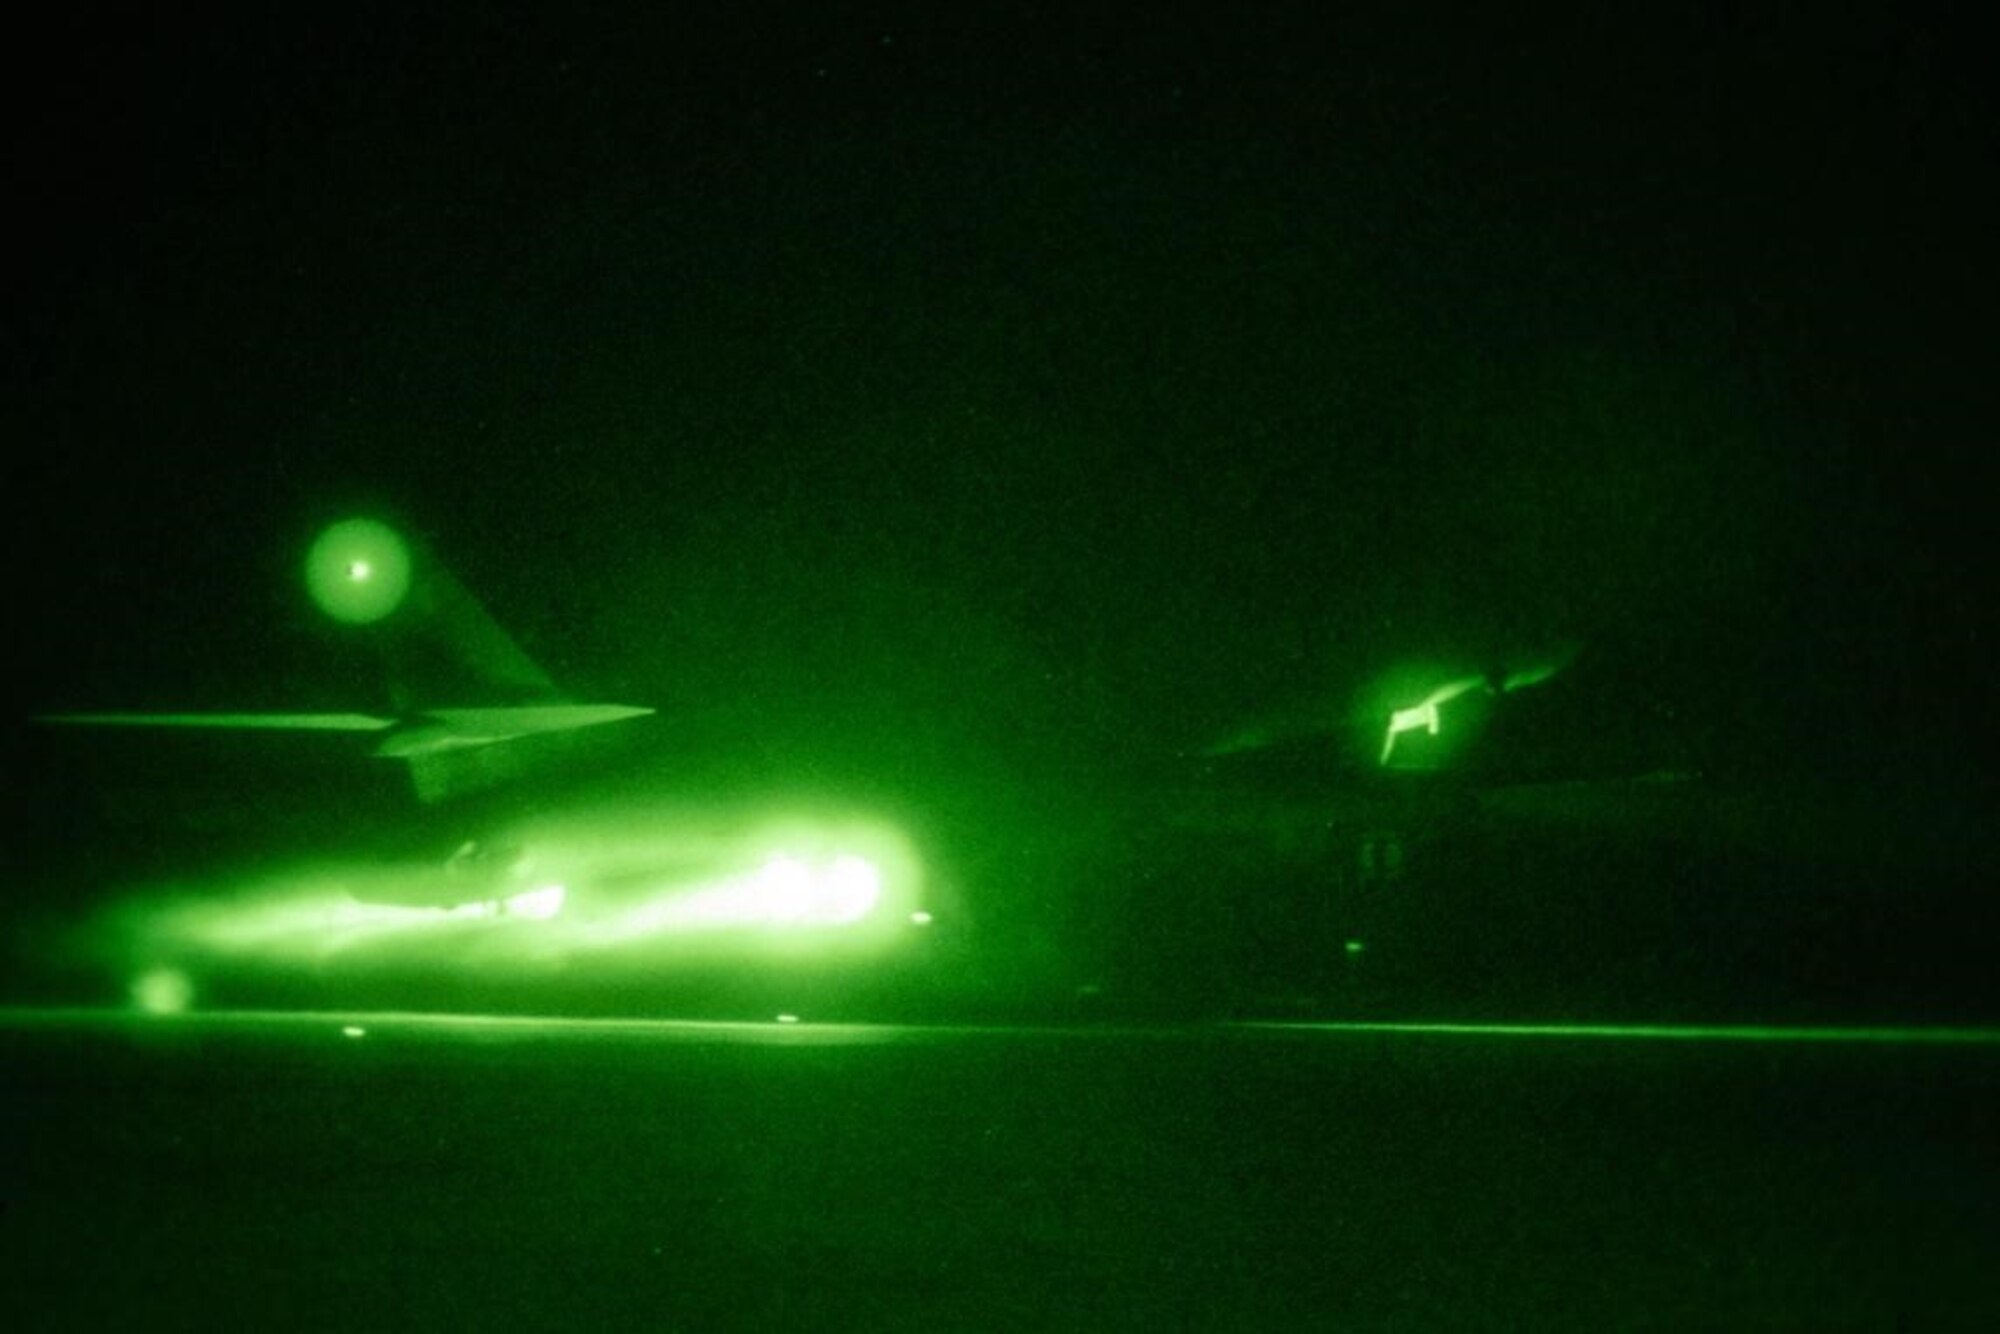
(455,729)
(249,722)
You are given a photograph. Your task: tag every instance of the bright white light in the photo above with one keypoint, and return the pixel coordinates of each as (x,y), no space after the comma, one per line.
(353,1031)
(538,905)
(785,891)
(788,1019)
(920,918)
(359,571)
(782,890)
(849,888)
(1424,715)
(1408,720)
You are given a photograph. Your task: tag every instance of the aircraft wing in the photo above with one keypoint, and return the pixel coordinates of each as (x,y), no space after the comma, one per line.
(455,729)
(265,722)
(426,734)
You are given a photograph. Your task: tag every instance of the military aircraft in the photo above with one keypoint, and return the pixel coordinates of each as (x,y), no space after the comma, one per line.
(1331,843)
(520,846)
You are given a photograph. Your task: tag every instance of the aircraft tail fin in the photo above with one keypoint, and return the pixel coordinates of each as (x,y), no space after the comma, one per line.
(439,646)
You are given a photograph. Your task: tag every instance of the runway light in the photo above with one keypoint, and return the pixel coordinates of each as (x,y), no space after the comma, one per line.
(163,991)
(788,1019)
(920,918)
(353,1031)
(1355,948)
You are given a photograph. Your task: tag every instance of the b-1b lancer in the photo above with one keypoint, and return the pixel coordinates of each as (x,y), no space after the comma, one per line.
(516,848)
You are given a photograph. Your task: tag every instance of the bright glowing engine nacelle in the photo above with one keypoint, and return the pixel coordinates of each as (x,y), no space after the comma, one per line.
(788,890)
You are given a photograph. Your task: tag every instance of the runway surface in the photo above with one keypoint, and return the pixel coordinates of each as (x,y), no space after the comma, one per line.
(400,1171)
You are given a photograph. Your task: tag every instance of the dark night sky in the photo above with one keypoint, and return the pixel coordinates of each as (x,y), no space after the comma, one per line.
(1046,378)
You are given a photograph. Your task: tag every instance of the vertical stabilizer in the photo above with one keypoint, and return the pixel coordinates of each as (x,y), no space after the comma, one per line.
(440,648)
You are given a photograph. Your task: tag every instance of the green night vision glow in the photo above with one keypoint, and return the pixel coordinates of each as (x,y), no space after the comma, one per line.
(1424,716)
(162,991)
(536,905)
(358,571)
(1532,676)
(784,892)
(628,896)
